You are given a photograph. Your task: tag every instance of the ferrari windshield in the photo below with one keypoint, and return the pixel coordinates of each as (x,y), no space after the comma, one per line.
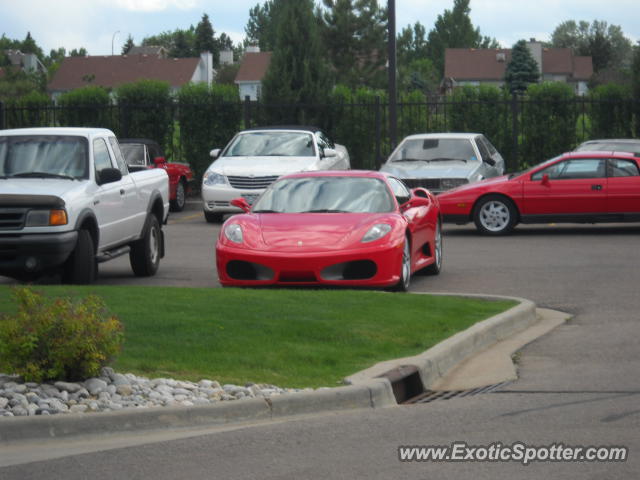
(43,156)
(434,150)
(326,195)
(267,144)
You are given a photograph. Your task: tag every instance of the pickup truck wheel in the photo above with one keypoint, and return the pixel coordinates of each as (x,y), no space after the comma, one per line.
(145,253)
(177,205)
(81,267)
(212,217)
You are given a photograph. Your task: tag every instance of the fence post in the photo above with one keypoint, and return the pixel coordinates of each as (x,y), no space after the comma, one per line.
(247,112)
(515,133)
(1,115)
(378,160)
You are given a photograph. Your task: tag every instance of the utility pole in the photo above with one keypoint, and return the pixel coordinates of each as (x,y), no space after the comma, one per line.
(113,37)
(393,100)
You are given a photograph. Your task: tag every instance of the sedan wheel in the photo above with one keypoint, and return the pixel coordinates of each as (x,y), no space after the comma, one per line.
(495,215)
(177,205)
(436,266)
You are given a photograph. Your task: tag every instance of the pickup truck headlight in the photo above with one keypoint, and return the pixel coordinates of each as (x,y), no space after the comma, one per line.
(376,232)
(46,218)
(234,233)
(213,178)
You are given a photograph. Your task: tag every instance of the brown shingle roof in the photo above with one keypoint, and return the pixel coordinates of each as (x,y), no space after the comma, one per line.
(115,70)
(253,67)
(486,64)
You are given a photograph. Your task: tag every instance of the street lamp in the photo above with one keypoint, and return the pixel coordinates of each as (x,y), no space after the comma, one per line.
(112,39)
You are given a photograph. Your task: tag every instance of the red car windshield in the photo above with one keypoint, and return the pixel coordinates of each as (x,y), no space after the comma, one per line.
(326,195)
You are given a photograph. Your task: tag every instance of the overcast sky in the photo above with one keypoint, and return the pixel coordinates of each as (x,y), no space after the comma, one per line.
(100,25)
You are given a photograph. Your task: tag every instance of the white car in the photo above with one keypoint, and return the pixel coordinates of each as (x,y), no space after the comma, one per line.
(441,161)
(255,158)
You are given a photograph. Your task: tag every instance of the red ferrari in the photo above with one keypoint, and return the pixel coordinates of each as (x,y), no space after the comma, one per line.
(577,187)
(348,228)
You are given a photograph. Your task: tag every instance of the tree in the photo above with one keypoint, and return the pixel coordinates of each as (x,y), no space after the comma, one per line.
(261,26)
(522,69)
(411,44)
(298,73)
(205,40)
(128,45)
(81,52)
(606,44)
(453,29)
(354,33)
(179,43)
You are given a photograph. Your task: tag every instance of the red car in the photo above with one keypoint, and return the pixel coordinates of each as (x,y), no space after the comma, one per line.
(141,153)
(348,228)
(577,187)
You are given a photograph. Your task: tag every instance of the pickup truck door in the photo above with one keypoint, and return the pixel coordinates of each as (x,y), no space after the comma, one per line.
(110,201)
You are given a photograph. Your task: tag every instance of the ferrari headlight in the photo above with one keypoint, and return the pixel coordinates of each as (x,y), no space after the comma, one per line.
(233,232)
(213,178)
(46,218)
(448,183)
(376,232)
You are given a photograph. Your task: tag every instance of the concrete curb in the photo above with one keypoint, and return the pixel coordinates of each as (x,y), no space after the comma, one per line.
(440,359)
(366,390)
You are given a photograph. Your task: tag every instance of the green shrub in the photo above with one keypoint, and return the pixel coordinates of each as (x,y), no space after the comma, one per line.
(611,111)
(145,110)
(30,110)
(85,107)
(57,339)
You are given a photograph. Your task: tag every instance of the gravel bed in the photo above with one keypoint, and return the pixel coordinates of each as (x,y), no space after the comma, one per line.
(115,391)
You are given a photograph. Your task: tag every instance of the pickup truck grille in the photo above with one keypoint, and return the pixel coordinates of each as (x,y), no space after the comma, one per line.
(12,218)
(251,183)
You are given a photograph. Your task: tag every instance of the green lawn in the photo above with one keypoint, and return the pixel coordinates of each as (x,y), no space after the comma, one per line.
(290,338)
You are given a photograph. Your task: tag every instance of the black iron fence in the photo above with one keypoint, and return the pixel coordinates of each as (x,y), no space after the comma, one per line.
(524,131)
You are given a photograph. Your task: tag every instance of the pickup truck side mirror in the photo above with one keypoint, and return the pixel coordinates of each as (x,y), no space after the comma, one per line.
(159,161)
(108,175)
(490,161)
(215,153)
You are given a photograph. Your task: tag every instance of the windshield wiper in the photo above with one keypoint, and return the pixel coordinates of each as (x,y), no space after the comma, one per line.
(325,210)
(448,159)
(411,160)
(42,175)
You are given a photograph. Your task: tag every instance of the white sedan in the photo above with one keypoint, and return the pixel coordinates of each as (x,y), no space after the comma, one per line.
(257,157)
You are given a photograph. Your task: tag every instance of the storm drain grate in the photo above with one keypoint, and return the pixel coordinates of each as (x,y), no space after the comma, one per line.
(432,396)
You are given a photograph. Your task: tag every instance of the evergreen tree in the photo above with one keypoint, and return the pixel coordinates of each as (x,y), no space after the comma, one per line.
(453,29)
(354,33)
(181,47)
(261,26)
(298,73)
(205,37)
(128,45)
(522,69)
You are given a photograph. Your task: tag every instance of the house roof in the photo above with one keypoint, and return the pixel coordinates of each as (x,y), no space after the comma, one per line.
(253,67)
(490,64)
(115,70)
(148,50)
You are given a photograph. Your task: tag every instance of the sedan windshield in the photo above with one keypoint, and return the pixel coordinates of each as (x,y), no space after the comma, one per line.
(326,195)
(434,150)
(266,144)
(43,156)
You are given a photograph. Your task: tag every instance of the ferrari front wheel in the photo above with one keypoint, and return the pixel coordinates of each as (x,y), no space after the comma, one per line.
(405,268)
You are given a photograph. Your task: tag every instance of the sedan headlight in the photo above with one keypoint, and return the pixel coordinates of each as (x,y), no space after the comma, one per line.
(46,218)
(376,232)
(213,178)
(447,183)
(233,232)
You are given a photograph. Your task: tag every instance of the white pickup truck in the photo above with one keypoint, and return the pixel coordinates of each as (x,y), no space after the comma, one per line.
(68,202)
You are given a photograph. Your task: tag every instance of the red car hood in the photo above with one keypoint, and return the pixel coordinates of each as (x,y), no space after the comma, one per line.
(475,185)
(316,231)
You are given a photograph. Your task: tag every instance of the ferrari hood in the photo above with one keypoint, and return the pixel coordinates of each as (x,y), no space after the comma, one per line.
(419,169)
(315,231)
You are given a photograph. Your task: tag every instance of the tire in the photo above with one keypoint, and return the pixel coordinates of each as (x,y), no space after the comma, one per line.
(436,266)
(81,267)
(177,205)
(405,268)
(213,217)
(495,215)
(145,253)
